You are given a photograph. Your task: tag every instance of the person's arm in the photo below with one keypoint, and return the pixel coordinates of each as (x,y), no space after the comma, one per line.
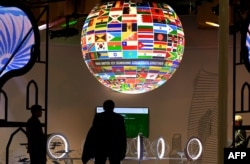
(241,139)
(88,148)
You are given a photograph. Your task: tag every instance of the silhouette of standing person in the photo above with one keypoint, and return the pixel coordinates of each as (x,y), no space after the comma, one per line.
(106,138)
(239,134)
(36,138)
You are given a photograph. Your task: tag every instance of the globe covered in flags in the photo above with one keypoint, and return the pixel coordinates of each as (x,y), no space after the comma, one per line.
(132,47)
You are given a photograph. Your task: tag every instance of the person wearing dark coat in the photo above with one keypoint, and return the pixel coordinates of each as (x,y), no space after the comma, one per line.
(36,137)
(106,138)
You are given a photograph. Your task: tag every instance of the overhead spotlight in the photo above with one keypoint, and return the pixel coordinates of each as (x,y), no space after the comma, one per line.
(215,10)
(67,32)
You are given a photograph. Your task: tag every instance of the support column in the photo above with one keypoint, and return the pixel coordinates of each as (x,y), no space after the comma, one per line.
(223,78)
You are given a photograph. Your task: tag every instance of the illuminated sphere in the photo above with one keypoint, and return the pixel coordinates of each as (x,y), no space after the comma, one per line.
(132,47)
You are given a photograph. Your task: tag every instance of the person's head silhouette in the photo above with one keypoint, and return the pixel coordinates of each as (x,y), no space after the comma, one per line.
(36,110)
(108,105)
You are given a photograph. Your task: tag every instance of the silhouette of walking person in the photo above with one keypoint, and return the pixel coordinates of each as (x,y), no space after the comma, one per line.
(36,138)
(106,138)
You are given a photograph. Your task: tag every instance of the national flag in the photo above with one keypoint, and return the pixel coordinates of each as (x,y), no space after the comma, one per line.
(169,13)
(159,54)
(180,49)
(129,45)
(154,69)
(108,69)
(123,77)
(178,22)
(115,19)
(116,55)
(100,28)
(157,11)
(100,37)
(91,47)
(180,31)
(170,21)
(142,69)
(126,27)
(142,76)
(104,76)
(129,54)
(158,19)
(103,12)
(145,44)
(103,55)
(90,39)
(169,29)
(160,46)
(102,20)
(172,56)
(126,18)
(158,37)
(86,24)
(160,28)
(131,81)
(165,70)
(101,46)
(115,11)
(114,46)
(114,28)
(145,36)
(181,40)
(130,70)
(90,32)
(173,29)
(143,10)
(146,54)
(171,48)
(145,28)
(129,36)
(83,40)
(173,39)
(151,76)
(113,36)
(91,25)
(91,55)
(144,19)
(142,4)
(118,70)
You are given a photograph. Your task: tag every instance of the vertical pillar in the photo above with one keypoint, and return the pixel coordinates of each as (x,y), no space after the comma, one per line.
(223,78)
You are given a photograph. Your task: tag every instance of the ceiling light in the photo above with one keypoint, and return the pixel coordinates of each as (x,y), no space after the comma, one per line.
(212,24)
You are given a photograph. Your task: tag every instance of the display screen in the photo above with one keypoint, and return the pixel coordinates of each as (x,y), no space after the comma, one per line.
(136,120)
